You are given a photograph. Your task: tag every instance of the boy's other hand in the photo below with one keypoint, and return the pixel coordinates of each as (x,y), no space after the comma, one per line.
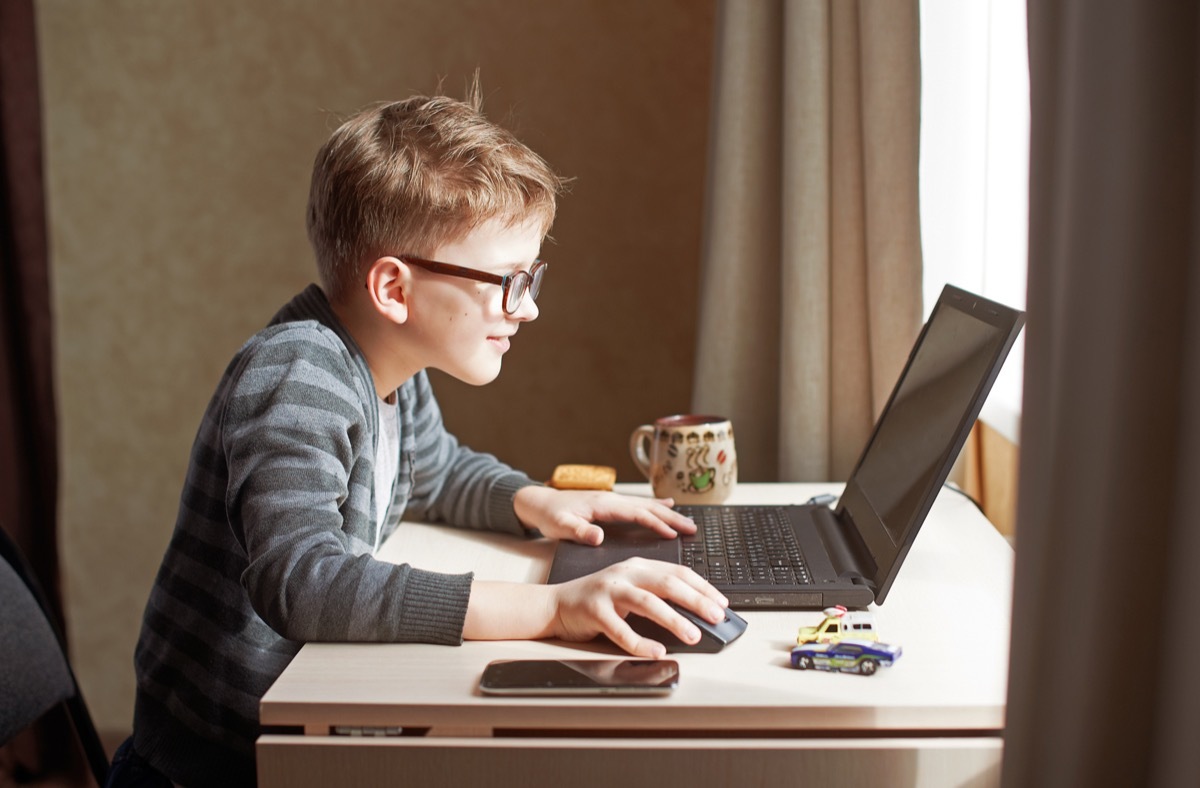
(573,514)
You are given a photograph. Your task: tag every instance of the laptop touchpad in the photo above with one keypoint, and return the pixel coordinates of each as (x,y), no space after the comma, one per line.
(621,541)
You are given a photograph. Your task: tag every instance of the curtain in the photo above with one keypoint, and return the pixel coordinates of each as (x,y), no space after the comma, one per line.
(811,270)
(28,426)
(1103,689)
(28,429)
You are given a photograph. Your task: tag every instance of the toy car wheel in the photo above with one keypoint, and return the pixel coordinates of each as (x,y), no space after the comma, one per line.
(805,663)
(868,667)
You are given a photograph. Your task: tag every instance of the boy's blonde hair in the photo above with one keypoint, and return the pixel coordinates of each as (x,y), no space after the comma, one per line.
(409,176)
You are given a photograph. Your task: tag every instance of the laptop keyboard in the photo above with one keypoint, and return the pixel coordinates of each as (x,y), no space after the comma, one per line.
(744,545)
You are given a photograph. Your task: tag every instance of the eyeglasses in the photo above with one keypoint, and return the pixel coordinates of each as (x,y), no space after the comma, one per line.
(515,285)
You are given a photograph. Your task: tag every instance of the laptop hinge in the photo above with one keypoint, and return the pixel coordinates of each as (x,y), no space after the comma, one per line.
(847,551)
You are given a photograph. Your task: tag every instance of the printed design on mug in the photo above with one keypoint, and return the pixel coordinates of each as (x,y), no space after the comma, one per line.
(671,451)
(701,470)
(728,471)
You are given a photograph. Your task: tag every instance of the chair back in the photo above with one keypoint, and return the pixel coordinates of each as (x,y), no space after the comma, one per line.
(35,673)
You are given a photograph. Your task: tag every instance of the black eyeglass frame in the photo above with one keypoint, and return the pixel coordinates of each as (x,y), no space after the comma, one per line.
(525,281)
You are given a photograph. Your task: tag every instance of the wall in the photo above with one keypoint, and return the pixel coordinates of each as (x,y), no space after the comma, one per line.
(991,463)
(179,137)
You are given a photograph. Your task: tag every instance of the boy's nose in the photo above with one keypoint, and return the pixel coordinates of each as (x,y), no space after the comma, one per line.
(528,310)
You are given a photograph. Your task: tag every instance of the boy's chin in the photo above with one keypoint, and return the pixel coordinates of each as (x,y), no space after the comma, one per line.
(475,377)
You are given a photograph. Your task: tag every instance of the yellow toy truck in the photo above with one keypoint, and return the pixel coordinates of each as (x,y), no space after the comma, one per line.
(840,624)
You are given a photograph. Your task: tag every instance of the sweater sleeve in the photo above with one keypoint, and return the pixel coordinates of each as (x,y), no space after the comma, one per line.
(299,446)
(452,483)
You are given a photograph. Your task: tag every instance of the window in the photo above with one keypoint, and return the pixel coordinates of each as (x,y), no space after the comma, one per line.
(974,169)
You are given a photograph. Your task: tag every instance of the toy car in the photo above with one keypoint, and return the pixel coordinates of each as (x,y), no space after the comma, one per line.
(848,656)
(839,624)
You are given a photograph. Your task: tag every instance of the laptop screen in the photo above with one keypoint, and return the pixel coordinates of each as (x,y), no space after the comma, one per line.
(926,422)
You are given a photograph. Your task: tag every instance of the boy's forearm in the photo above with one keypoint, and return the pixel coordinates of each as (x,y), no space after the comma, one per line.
(509,611)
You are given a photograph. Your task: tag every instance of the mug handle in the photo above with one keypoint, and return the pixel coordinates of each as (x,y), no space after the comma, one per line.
(637,448)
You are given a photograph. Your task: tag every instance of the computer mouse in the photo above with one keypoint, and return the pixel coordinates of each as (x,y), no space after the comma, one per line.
(713,637)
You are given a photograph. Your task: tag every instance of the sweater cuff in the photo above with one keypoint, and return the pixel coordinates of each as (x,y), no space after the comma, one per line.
(501,515)
(435,607)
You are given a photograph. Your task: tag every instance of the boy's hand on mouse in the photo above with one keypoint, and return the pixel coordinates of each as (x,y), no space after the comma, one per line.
(573,514)
(598,604)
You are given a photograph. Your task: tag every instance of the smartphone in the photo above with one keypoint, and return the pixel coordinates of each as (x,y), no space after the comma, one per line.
(580,677)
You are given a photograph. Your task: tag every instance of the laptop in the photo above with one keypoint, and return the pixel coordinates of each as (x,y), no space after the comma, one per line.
(812,556)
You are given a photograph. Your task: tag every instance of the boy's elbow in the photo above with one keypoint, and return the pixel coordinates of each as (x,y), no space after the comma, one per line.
(291,619)
(300,600)
(281,605)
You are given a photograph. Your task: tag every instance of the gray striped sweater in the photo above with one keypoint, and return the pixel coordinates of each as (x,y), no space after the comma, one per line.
(274,538)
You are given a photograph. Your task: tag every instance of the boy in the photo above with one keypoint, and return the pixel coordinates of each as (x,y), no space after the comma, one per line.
(426,222)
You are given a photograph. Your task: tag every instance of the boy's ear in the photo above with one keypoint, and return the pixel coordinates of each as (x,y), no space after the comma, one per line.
(387,288)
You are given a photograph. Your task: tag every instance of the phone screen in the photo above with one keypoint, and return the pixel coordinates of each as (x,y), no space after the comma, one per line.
(580,677)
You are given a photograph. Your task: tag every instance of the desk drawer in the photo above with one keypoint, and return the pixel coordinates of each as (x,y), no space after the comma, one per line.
(582,763)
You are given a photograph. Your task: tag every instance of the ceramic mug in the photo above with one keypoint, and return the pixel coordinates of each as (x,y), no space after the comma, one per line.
(687,457)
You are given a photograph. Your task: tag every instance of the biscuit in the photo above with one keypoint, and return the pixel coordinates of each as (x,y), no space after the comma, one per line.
(583,477)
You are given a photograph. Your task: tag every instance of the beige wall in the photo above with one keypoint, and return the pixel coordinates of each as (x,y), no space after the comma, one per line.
(179,137)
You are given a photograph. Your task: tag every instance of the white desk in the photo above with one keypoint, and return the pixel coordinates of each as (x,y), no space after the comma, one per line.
(934,718)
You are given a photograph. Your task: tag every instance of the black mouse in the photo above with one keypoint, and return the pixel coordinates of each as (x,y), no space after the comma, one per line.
(713,637)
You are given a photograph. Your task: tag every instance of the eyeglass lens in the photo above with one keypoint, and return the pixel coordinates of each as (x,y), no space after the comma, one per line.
(519,283)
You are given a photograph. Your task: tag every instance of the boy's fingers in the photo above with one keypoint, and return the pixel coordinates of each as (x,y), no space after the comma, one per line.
(663,521)
(679,522)
(622,635)
(660,612)
(655,524)
(588,533)
(679,583)
(654,513)
(698,597)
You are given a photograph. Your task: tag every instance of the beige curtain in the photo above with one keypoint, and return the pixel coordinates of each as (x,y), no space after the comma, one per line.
(811,277)
(1103,687)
